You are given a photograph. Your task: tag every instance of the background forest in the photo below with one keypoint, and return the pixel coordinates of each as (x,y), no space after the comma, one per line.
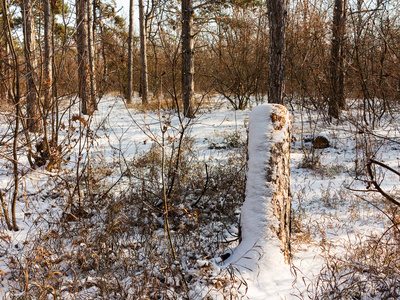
(115,183)
(58,47)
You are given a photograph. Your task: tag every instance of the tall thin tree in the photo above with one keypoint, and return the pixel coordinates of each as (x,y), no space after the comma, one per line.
(32,109)
(143,25)
(129,92)
(187,58)
(4,61)
(83,56)
(337,96)
(91,51)
(48,53)
(277,11)
(14,93)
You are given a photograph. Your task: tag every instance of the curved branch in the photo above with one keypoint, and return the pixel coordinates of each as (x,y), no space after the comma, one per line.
(376,185)
(384,166)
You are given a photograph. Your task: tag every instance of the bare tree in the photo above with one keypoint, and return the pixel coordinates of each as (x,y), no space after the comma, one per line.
(239,58)
(4,62)
(187,58)
(91,51)
(143,54)
(15,94)
(277,10)
(83,56)
(81,24)
(129,92)
(48,53)
(337,97)
(143,24)
(33,109)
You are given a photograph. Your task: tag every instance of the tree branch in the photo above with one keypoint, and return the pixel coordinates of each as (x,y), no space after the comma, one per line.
(376,185)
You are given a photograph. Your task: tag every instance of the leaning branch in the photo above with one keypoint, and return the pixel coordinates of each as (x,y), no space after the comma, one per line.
(376,185)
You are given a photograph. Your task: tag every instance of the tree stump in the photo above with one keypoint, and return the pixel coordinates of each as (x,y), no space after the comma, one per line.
(265,219)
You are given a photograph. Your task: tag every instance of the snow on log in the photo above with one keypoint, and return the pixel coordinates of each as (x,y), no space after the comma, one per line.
(265,219)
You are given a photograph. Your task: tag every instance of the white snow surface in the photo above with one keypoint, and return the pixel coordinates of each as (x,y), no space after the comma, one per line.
(325,209)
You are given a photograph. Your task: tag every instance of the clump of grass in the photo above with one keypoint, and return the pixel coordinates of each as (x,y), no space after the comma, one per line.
(311,158)
(229,140)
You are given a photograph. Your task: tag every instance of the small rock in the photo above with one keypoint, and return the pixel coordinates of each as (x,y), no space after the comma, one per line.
(320,142)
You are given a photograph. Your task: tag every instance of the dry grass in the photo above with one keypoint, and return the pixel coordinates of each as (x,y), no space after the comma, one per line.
(110,244)
(358,267)
(367,269)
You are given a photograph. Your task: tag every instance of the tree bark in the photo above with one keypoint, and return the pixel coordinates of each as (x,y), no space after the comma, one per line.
(103,81)
(83,56)
(187,58)
(91,51)
(3,63)
(33,109)
(277,10)
(129,92)
(48,53)
(143,54)
(337,97)
(8,62)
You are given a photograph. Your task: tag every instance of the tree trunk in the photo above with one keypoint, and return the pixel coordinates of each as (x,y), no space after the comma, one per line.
(15,165)
(129,92)
(143,54)
(33,109)
(7,73)
(266,212)
(277,10)
(16,95)
(103,81)
(91,51)
(48,53)
(83,56)
(359,18)
(337,97)
(187,58)
(3,64)
(54,91)
(7,39)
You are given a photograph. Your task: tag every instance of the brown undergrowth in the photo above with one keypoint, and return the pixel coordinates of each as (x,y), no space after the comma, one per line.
(109,242)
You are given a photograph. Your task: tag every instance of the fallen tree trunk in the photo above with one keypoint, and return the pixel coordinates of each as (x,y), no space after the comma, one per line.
(265,219)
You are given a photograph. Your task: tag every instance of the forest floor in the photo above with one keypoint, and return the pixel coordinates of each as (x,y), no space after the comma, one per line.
(96,228)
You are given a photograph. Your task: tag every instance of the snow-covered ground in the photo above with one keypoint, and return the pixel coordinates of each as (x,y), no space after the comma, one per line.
(328,215)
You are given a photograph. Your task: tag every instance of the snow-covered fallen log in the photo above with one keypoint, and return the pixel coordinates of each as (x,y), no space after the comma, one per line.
(265,221)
